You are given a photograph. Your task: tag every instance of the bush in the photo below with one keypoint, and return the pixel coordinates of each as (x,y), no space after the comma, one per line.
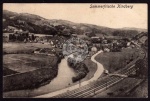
(79,76)
(80,67)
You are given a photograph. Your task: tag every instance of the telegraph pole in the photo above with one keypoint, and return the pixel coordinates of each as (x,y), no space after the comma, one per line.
(79,83)
(94,92)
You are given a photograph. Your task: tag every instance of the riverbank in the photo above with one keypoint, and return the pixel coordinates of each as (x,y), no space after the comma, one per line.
(93,74)
(29,80)
(80,68)
(19,62)
(96,75)
(34,78)
(30,62)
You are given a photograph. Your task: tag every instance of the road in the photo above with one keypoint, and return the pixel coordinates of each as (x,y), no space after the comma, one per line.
(104,83)
(97,74)
(90,89)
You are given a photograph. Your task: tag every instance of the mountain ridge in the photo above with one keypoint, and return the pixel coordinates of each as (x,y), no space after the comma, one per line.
(37,24)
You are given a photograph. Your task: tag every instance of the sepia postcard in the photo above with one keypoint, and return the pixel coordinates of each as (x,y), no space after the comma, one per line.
(75,50)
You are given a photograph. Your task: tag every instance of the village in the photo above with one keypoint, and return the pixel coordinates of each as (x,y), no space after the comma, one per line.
(107,44)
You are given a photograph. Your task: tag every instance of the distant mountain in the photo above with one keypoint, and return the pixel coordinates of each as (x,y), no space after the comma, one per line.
(132,28)
(39,25)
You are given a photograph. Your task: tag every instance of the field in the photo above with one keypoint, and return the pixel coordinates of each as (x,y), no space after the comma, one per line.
(113,61)
(34,69)
(19,57)
(28,62)
(23,47)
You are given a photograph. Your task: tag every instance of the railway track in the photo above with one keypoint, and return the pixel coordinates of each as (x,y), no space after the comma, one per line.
(101,84)
(95,87)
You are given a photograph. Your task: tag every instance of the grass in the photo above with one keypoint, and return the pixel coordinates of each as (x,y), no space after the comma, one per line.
(19,57)
(140,91)
(28,62)
(113,61)
(22,47)
(91,67)
(35,69)
(25,62)
(119,89)
(7,71)
(29,80)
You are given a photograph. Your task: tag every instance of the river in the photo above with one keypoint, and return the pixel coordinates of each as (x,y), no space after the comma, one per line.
(97,74)
(63,80)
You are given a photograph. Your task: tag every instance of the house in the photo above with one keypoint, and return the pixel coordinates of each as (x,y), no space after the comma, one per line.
(74,35)
(128,44)
(94,49)
(5,38)
(45,51)
(106,50)
(51,42)
(104,41)
(96,40)
(11,29)
(95,37)
(106,71)
(37,50)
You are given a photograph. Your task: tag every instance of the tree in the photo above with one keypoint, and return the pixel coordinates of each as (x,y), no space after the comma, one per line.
(146,43)
(10,36)
(142,68)
(13,37)
(32,37)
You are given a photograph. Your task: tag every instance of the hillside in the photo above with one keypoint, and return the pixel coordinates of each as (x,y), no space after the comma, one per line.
(138,29)
(36,24)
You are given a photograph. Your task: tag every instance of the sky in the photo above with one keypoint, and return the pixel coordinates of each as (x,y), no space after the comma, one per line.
(82,13)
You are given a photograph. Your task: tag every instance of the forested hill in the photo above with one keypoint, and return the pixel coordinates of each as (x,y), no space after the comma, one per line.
(36,24)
